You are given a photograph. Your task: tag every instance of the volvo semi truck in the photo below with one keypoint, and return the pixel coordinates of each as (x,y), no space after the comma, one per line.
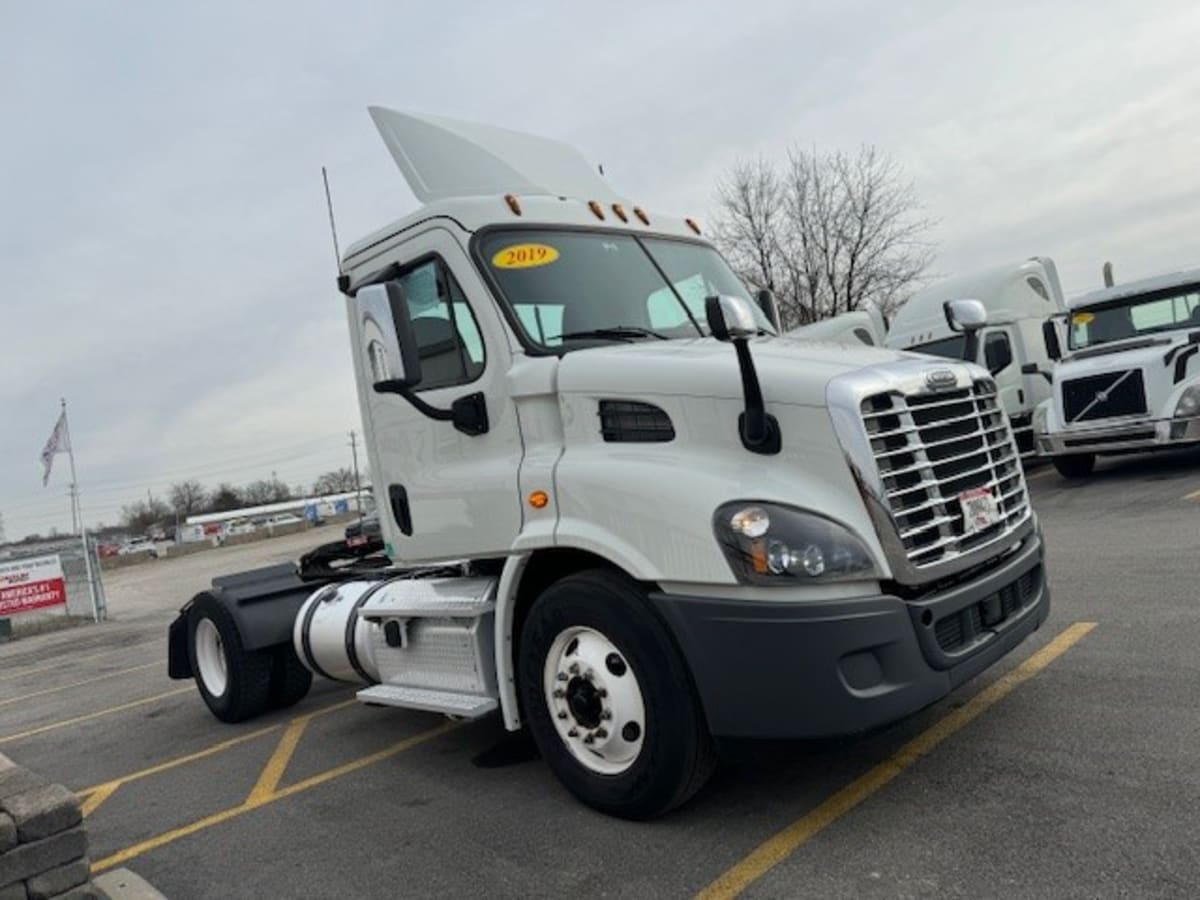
(618,509)
(1129,380)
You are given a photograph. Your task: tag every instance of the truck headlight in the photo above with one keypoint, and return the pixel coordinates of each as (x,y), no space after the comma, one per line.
(1189,403)
(766,543)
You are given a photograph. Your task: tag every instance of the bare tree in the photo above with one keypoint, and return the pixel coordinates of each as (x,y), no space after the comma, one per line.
(337,481)
(140,515)
(265,490)
(225,498)
(187,497)
(827,234)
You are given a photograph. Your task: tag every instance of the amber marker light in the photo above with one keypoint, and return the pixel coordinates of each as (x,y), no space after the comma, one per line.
(641,214)
(691,223)
(597,209)
(513,204)
(539,499)
(619,211)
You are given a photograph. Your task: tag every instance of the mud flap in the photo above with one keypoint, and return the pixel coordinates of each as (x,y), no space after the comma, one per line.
(178,665)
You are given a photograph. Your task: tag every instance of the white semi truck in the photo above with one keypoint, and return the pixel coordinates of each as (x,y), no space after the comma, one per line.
(618,509)
(1130,380)
(1019,299)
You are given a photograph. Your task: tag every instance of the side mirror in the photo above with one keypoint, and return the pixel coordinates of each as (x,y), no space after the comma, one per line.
(730,318)
(766,302)
(388,333)
(965,315)
(1032,369)
(1050,337)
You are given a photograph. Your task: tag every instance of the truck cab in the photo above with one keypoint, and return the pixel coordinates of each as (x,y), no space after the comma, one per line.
(1019,298)
(1129,381)
(619,508)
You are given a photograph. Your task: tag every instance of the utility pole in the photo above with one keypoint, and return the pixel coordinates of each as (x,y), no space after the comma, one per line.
(357,486)
(3,538)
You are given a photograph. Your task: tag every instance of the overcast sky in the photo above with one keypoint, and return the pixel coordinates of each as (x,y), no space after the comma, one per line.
(165,251)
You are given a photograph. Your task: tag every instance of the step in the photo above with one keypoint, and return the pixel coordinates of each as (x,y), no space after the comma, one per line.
(452,703)
(456,598)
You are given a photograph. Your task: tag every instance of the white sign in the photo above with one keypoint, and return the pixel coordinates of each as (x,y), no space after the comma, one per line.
(31,584)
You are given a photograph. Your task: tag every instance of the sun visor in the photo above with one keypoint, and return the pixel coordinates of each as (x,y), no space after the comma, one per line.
(444,158)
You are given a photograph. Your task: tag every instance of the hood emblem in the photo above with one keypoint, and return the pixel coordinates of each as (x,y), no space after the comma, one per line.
(940,379)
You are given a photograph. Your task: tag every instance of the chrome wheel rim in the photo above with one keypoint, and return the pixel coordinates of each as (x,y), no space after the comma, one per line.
(210,658)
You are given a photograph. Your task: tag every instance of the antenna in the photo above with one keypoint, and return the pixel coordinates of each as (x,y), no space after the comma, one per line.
(337,253)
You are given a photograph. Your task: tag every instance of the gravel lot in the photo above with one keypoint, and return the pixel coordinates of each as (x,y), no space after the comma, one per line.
(1070,770)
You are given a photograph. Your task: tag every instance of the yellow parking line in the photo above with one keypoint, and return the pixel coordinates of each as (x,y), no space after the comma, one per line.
(273,771)
(75,684)
(135,850)
(92,715)
(1194,496)
(98,793)
(777,848)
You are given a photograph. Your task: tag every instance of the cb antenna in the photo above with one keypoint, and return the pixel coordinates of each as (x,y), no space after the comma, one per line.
(337,253)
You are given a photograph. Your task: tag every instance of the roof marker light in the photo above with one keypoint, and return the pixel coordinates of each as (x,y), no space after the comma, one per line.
(511,200)
(620,212)
(597,209)
(637,211)
(691,223)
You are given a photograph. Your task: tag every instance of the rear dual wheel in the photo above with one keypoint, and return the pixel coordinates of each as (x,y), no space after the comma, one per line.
(238,684)
(609,699)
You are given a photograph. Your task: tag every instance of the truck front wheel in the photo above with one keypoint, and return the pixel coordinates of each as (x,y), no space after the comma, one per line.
(1075,465)
(609,700)
(235,683)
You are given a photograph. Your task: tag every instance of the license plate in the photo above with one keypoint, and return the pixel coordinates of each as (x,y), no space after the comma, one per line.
(358,541)
(980,510)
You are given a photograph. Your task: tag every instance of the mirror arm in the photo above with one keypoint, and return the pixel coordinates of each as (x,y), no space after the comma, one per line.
(759,429)
(468,413)
(971,345)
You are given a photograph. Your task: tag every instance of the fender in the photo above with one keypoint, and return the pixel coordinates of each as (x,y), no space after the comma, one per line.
(263,604)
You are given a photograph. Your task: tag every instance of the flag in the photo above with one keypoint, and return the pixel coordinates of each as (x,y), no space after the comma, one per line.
(57,443)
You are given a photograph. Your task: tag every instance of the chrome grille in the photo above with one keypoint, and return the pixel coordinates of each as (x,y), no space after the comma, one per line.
(930,448)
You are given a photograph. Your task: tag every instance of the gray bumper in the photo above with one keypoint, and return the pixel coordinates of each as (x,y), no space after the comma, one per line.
(817,669)
(1147,434)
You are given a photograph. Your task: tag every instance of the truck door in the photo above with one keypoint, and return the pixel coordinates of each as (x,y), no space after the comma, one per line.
(444,494)
(998,355)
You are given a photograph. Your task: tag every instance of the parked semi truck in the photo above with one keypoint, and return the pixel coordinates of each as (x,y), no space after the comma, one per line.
(1019,298)
(618,508)
(1129,381)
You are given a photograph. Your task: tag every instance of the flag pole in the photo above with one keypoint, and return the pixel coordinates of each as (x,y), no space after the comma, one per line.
(76,512)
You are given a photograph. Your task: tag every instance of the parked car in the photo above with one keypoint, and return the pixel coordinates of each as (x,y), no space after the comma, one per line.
(138,545)
(363,531)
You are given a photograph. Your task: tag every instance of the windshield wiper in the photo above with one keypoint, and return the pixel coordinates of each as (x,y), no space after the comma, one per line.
(616,333)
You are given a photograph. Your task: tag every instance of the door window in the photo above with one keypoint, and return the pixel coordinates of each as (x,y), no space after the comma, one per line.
(997,352)
(448,338)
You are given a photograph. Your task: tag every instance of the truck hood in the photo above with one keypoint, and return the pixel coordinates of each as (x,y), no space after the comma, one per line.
(791,370)
(1164,365)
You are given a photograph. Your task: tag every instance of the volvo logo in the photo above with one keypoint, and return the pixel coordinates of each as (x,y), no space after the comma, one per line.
(1101,397)
(940,379)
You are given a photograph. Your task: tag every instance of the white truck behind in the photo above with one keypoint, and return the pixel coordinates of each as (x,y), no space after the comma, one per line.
(1130,380)
(1019,298)
(618,508)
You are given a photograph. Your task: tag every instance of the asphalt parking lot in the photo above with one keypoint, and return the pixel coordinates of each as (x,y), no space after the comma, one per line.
(1069,770)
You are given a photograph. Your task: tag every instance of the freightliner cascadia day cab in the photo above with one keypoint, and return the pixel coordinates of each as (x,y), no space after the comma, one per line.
(1130,380)
(1019,298)
(618,509)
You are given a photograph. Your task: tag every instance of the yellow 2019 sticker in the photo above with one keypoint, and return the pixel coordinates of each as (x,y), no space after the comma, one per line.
(525,256)
(1083,318)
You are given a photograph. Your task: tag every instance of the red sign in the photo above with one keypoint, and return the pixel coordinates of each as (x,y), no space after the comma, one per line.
(31,584)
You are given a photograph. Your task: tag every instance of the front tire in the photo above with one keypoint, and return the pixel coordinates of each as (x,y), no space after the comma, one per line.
(609,699)
(1075,465)
(235,683)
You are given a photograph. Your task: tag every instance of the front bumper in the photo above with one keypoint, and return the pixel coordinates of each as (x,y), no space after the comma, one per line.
(768,669)
(1147,434)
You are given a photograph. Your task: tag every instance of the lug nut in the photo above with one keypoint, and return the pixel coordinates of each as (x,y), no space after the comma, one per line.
(606,714)
(559,693)
(601,733)
(574,732)
(562,676)
(588,739)
(602,693)
(562,713)
(573,669)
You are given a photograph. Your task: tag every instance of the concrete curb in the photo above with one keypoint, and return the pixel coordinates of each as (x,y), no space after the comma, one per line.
(121,884)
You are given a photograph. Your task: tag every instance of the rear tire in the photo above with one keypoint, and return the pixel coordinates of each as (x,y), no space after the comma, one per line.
(1075,465)
(290,680)
(235,683)
(626,686)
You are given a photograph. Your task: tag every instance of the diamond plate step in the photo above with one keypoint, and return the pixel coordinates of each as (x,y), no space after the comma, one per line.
(452,703)
(457,598)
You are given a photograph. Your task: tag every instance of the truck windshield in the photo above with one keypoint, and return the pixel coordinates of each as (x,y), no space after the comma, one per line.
(951,347)
(1135,316)
(564,286)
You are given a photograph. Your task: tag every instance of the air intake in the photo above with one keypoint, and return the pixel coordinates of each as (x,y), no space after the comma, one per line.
(625,421)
